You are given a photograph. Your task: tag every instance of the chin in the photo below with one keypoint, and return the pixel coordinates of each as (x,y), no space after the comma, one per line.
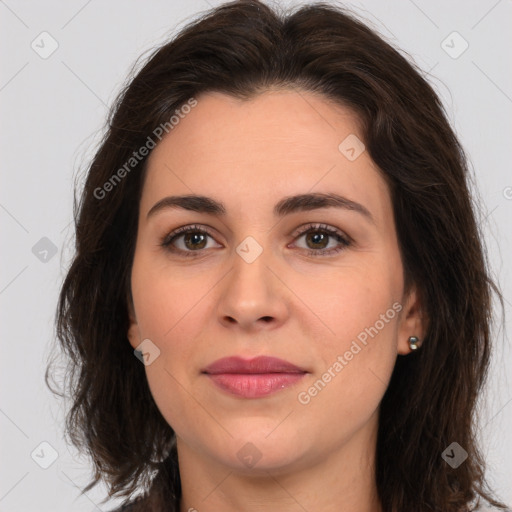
(256,451)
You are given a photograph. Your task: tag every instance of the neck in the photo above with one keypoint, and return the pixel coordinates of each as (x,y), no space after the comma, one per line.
(341,481)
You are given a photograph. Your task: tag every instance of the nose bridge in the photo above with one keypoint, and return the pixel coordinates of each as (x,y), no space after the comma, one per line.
(251,289)
(250,276)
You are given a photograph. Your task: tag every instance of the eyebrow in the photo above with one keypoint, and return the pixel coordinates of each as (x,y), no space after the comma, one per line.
(286,206)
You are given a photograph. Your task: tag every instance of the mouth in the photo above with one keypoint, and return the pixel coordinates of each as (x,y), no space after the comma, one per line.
(253,378)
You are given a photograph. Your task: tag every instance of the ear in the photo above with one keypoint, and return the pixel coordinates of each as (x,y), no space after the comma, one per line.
(133,330)
(413,321)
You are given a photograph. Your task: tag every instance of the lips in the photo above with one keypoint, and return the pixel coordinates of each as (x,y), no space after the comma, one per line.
(253,378)
(262,364)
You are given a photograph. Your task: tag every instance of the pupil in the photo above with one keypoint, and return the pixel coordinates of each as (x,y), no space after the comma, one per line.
(317,235)
(191,236)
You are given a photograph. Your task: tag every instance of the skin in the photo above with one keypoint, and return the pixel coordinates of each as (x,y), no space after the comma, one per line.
(287,303)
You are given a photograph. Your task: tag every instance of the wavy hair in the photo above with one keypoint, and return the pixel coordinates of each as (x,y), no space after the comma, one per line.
(244,48)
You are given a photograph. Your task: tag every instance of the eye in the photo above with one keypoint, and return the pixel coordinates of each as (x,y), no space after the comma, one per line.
(317,237)
(194,239)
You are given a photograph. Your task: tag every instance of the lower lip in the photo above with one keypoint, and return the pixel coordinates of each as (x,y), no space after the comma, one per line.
(255,385)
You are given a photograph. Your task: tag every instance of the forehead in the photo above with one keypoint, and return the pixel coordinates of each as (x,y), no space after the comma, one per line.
(278,143)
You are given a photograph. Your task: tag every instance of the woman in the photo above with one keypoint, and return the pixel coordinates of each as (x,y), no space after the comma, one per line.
(278,225)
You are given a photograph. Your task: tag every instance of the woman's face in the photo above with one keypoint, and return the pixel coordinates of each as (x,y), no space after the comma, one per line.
(268,280)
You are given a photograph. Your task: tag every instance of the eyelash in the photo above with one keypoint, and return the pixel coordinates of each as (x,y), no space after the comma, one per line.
(344,240)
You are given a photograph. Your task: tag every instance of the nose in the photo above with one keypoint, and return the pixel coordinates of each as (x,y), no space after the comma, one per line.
(253,295)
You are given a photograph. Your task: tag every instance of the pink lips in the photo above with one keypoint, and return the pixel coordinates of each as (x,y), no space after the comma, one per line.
(253,378)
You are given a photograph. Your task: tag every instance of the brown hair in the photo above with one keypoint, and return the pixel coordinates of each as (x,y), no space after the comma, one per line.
(244,48)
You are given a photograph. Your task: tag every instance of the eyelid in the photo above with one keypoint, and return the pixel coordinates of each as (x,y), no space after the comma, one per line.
(319,226)
(344,239)
(185,229)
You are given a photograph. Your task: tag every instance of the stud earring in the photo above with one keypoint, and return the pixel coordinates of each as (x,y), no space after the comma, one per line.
(414,343)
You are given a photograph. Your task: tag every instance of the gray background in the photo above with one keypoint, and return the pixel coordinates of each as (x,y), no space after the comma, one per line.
(52,110)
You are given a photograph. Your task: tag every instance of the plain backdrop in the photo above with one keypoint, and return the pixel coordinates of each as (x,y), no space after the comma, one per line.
(52,110)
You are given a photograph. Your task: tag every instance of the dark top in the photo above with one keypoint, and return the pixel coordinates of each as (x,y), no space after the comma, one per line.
(129,507)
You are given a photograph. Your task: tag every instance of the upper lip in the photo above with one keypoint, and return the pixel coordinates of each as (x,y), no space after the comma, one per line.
(261,364)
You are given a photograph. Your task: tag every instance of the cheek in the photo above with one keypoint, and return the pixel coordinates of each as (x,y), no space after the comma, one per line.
(357,342)
(162,296)
(348,302)
(357,363)
(168,309)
